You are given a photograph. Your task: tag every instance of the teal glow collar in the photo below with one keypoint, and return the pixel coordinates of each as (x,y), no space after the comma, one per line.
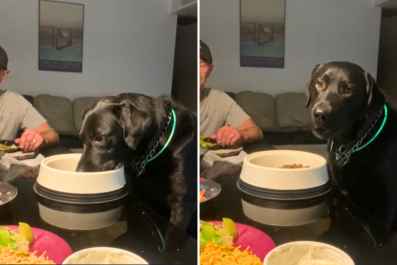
(377,133)
(343,155)
(168,140)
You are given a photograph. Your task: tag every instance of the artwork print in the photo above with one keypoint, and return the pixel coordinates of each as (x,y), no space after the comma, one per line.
(262,33)
(61,36)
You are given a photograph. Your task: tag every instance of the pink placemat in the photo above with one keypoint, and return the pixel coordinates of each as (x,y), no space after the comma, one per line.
(260,244)
(55,247)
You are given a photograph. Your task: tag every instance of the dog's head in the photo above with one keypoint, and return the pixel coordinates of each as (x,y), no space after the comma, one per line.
(111,131)
(342,94)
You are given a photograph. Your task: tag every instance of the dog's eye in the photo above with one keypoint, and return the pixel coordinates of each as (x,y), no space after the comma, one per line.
(98,138)
(319,85)
(348,90)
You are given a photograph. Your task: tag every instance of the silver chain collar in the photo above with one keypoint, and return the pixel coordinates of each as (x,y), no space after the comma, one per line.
(343,154)
(139,165)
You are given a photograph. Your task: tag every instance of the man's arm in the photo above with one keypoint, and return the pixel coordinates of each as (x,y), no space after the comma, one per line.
(50,137)
(238,127)
(250,132)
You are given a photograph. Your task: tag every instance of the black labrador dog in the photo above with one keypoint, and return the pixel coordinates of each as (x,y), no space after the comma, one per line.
(157,137)
(354,115)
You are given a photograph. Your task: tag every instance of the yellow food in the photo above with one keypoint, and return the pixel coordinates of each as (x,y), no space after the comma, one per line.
(10,256)
(6,148)
(24,234)
(230,226)
(215,254)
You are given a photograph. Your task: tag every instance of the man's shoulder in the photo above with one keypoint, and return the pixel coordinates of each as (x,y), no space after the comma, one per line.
(12,99)
(10,94)
(218,94)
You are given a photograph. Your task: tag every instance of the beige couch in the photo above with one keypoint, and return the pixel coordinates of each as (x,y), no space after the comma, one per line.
(283,118)
(63,114)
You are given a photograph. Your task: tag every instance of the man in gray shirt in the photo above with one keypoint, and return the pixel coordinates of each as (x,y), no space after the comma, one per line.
(17,113)
(221,117)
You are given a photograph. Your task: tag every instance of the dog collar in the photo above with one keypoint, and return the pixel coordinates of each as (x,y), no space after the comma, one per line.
(139,166)
(343,154)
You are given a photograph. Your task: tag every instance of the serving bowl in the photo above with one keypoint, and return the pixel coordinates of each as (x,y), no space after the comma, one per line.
(8,194)
(212,191)
(59,181)
(290,253)
(98,255)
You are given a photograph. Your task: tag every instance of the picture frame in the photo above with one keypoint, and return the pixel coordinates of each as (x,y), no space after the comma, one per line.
(61,36)
(262,33)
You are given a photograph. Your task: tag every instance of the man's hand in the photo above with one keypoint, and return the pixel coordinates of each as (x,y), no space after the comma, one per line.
(30,140)
(228,136)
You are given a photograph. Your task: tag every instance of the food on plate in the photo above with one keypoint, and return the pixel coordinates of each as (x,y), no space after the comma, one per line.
(209,143)
(11,256)
(202,192)
(292,166)
(215,254)
(202,195)
(14,246)
(217,245)
(5,147)
(223,235)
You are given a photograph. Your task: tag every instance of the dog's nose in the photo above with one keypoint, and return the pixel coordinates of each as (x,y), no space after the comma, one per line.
(320,115)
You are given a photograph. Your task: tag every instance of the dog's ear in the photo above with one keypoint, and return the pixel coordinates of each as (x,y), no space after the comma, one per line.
(133,121)
(85,113)
(308,86)
(375,99)
(87,110)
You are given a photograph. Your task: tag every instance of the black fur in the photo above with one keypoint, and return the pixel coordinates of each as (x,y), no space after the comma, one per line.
(343,110)
(118,129)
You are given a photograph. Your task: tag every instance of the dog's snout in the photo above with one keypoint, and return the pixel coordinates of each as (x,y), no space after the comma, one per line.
(320,115)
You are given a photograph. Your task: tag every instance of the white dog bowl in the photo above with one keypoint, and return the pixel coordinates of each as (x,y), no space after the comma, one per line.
(307,252)
(284,197)
(80,217)
(263,170)
(284,213)
(59,181)
(104,255)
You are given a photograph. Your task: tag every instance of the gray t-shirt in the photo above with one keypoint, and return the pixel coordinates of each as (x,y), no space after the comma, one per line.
(16,113)
(219,109)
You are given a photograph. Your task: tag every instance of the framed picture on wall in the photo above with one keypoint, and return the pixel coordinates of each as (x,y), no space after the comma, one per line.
(262,33)
(61,27)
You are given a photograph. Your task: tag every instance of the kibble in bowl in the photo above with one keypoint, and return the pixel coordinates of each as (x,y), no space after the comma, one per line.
(293,166)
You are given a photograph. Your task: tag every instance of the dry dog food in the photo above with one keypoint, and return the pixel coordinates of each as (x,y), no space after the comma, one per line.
(293,166)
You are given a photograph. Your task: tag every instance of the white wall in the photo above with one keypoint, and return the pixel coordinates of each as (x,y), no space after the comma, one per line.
(317,31)
(128,47)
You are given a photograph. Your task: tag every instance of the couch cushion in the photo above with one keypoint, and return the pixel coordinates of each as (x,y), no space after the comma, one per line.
(290,110)
(56,110)
(79,106)
(260,107)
